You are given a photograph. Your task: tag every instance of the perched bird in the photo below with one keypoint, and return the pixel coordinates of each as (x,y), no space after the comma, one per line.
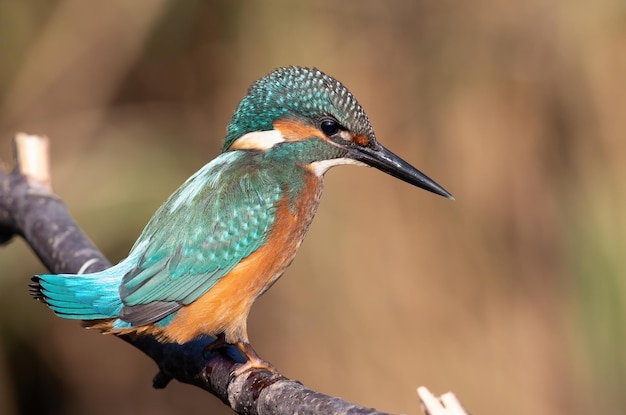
(228,233)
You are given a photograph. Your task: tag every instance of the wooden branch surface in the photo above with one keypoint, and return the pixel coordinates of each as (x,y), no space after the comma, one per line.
(29,208)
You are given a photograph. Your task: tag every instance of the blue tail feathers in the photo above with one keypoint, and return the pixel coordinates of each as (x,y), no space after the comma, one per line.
(81,297)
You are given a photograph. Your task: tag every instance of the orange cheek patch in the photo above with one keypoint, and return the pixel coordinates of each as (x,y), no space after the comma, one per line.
(361,140)
(296,131)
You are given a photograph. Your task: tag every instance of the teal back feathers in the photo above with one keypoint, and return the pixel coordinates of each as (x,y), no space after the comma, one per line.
(219,216)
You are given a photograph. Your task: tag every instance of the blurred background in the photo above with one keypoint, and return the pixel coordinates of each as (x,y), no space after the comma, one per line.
(513,296)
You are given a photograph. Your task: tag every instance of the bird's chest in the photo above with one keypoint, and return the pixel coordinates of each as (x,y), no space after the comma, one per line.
(293,218)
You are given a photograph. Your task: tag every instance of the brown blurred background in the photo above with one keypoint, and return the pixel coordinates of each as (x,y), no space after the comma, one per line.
(513,296)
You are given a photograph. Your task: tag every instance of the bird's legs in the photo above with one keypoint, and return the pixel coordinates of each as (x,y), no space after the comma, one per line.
(253,362)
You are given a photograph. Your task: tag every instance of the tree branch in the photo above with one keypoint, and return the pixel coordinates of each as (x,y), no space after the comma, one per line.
(29,208)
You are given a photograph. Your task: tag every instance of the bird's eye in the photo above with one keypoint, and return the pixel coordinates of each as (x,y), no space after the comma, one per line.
(330,127)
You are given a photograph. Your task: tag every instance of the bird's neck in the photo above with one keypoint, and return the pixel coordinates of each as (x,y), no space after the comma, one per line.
(291,163)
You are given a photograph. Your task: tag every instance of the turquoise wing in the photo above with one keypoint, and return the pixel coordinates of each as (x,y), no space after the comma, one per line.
(218,217)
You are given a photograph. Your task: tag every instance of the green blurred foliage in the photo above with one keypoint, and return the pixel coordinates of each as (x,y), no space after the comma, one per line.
(513,296)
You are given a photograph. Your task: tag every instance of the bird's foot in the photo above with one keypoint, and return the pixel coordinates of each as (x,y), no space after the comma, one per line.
(253,362)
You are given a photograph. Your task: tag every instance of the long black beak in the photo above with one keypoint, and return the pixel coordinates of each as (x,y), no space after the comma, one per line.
(384,160)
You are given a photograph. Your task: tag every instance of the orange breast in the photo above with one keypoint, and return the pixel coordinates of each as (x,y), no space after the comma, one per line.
(225,307)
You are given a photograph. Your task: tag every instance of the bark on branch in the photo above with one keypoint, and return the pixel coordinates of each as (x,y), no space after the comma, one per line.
(29,208)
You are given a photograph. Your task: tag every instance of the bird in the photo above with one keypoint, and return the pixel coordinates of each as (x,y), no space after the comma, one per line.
(229,231)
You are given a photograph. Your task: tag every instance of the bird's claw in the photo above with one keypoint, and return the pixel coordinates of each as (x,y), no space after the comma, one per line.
(253,362)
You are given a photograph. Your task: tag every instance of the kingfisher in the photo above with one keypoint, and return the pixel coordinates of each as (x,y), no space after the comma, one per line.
(230,231)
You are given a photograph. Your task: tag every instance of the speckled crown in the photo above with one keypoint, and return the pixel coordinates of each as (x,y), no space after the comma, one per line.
(298,92)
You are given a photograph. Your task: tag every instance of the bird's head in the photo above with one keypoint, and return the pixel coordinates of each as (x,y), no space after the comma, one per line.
(305,107)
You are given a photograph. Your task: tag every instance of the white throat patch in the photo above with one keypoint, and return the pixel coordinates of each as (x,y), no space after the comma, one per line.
(320,167)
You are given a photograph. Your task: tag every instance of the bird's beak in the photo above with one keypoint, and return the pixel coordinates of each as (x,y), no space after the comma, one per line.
(384,160)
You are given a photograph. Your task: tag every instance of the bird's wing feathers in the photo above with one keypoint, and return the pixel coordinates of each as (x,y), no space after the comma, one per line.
(218,217)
